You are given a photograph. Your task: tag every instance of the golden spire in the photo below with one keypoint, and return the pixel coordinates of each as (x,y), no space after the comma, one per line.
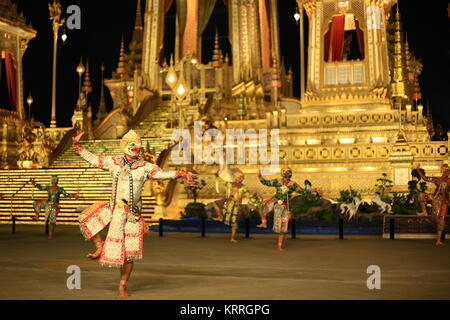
(216,56)
(87,88)
(398,79)
(138,22)
(102,105)
(227,59)
(121,71)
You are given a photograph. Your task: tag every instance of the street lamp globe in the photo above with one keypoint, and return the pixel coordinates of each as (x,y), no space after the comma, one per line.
(29,99)
(80,69)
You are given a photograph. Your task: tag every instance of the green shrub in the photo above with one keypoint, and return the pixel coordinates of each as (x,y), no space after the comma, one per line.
(194,210)
(304,201)
(347,195)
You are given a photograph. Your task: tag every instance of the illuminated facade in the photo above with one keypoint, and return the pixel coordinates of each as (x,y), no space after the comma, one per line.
(359,114)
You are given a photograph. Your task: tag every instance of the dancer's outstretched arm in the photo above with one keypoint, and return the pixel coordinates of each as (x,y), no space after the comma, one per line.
(68,195)
(155,172)
(93,159)
(269,183)
(38,186)
(424,177)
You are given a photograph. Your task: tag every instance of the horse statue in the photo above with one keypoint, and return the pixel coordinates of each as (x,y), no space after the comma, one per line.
(351,208)
(385,207)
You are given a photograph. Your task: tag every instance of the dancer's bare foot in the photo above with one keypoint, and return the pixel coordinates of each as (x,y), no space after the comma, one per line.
(262,225)
(422,213)
(123,291)
(35,218)
(217,219)
(94,255)
(440,243)
(98,252)
(233,241)
(280,246)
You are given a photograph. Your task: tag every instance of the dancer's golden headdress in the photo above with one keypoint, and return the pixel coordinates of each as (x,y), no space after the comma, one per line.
(237,173)
(130,136)
(285,167)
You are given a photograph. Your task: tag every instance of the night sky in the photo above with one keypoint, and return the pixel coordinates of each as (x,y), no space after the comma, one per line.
(426,24)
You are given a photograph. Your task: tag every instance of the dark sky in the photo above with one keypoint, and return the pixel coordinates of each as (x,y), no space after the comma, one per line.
(104,22)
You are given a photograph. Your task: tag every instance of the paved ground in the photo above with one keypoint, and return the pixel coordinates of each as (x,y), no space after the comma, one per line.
(186,266)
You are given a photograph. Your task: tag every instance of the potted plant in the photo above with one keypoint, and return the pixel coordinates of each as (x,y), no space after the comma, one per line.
(194,209)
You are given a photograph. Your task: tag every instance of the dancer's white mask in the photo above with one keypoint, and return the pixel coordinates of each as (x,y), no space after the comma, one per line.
(131,144)
(133,149)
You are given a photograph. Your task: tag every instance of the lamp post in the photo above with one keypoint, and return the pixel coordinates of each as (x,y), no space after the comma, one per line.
(299,16)
(171,80)
(180,92)
(55,15)
(80,71)
(29,101)
(64,35)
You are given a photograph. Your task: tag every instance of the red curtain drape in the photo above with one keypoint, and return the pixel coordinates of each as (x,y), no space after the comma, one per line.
(167,5)
(360,37)
(11,79)
(337,37)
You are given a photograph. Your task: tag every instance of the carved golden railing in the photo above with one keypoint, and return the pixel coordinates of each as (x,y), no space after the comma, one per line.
(65,142)
(148,105)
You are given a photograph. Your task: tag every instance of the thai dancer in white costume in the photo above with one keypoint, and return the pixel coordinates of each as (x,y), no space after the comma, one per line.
(124,242)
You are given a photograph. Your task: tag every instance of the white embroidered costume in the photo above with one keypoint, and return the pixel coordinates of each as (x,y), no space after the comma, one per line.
(122,213)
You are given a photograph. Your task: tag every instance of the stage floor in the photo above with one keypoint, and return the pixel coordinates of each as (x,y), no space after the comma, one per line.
(185,266)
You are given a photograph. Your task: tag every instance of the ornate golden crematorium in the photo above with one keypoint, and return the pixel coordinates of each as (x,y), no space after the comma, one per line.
(359,114)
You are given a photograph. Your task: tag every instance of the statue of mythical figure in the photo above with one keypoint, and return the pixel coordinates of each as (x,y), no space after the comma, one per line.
(46,147)
(82,102)
(26,145)
(158,191)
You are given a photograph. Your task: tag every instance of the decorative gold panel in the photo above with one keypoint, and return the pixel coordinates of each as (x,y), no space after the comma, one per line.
(303,120)
(355,152)
(311,154)
(427,150)
(328,119)
(314,120)
(298,154)
(369,152)
(351,118)
(339,153)
(324,153)
(376,117)
(442,150)
(383,152)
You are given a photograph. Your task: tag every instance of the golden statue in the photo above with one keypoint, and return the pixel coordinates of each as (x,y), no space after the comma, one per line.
(159,192)
(26,146)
